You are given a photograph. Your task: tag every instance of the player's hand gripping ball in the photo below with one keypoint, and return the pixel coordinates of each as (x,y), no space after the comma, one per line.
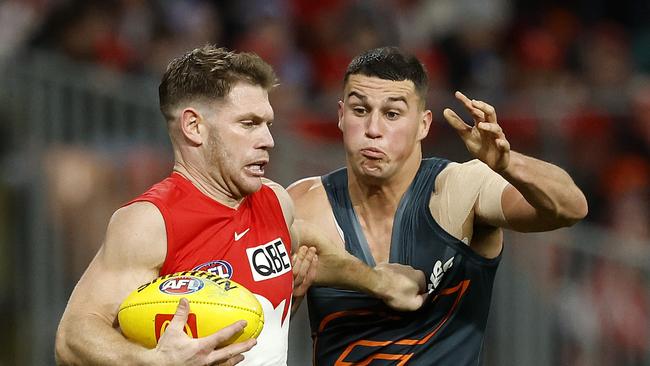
(215,303)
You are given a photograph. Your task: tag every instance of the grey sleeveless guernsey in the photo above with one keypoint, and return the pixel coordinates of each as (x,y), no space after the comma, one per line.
(350,328)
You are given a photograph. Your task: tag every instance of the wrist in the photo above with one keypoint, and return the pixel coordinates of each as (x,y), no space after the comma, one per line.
(150,357)
(514,168)
(380,284)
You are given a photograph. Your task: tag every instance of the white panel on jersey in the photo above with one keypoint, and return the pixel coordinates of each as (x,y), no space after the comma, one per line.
(272,343)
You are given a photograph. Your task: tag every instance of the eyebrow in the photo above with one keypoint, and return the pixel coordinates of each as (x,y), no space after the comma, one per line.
(253,117)
(390,99)
(355,94)
(398,99)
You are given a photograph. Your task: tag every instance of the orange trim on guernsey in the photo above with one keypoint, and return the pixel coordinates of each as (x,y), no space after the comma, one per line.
(460,289)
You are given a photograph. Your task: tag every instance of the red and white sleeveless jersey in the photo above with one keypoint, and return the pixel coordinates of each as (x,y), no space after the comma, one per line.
(250,245)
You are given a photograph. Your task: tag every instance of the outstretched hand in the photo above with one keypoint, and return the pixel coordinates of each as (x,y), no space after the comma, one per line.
(485,140)
(177,348)
(406,286)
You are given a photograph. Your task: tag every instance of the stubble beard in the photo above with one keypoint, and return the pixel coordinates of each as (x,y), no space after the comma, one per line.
(220,161)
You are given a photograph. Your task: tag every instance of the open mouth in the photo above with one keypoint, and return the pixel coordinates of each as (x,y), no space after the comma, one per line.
(257,168)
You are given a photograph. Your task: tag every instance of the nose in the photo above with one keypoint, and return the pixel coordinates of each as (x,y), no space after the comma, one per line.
(373,125)
(266,139)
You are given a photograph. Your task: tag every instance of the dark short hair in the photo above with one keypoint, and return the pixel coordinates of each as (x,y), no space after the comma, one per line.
(210,73)
(390,63)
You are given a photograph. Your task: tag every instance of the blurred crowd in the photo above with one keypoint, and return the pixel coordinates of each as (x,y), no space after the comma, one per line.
(570,81)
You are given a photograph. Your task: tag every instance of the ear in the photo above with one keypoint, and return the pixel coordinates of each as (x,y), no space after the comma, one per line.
(340,113)
(191,121)
(425,123)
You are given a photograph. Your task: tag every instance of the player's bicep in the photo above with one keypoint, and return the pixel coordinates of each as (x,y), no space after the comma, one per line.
(132,253)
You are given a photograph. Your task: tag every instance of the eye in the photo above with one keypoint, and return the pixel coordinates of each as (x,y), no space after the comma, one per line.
(359,111)
(392,115)
(247,123)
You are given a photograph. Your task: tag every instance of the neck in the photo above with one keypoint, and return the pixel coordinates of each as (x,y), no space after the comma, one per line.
(206,184)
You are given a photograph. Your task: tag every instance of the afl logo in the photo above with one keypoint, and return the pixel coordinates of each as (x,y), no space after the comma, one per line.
(221,268)
(181,285)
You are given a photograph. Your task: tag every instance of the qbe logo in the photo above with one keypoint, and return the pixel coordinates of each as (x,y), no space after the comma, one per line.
(269,260)
(221,268)
(181,285)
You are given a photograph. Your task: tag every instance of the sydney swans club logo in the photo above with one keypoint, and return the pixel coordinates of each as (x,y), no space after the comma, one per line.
(182,285)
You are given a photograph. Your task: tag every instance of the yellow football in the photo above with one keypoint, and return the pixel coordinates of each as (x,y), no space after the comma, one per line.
(215,303)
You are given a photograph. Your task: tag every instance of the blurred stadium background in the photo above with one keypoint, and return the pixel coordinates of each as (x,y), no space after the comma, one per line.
(80,134)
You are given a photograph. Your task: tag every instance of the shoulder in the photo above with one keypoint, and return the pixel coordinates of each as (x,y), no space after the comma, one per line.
(470,172)
(473,165)
(140,211)
(136,232)
(309,197)
(283,197)
(306,187)
(307,190)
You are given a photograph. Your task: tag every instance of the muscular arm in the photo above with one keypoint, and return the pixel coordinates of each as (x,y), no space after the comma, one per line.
(541,196)
(398,286)
(337,267)
(87,333)
(132,253)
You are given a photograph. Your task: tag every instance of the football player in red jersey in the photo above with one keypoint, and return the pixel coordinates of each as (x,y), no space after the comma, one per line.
(215,207)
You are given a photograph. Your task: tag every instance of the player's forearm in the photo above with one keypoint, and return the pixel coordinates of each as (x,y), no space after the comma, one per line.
(337,267)
(548,188)
(400,287)
(91,341)
(346,271)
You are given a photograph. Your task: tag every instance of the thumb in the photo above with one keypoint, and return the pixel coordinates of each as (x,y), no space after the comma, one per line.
(456,122)
(180,317)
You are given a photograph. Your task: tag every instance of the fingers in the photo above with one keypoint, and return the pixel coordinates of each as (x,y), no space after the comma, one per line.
(302,259)
(503,144)
(408,286)
(217,338)
(232,361)
(499,137)
(480,110)
(476,113)
(488,110)
(300,289)
(305,265)
(232,354)
(420,300)
(180,317)
(491,128)
(313,270)
(456,122)
(299,255)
